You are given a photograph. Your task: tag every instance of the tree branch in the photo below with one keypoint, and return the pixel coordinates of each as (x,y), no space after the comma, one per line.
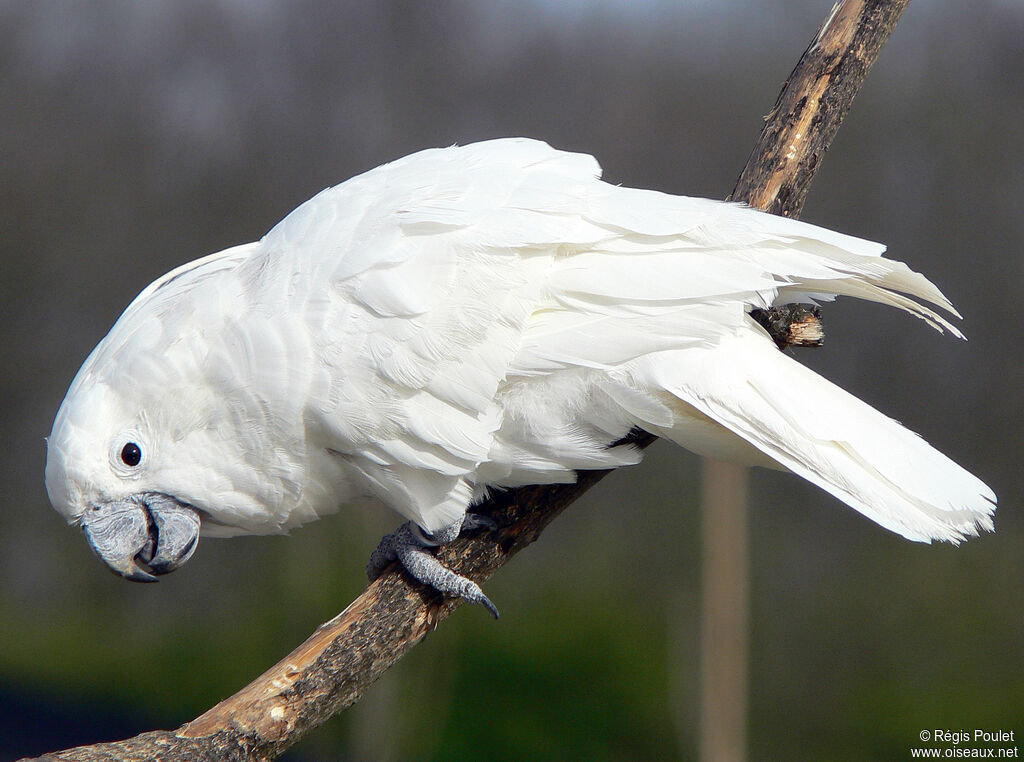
(344,656)
(813,103)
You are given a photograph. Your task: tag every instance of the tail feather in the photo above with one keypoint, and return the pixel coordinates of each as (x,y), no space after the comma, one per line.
(828,436)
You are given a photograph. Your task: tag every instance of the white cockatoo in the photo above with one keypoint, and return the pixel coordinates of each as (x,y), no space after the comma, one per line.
(489,315)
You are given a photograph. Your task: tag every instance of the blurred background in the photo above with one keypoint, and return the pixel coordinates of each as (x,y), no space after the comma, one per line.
(137,136)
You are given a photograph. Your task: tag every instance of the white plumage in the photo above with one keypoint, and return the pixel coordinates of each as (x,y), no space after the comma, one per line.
(488,315)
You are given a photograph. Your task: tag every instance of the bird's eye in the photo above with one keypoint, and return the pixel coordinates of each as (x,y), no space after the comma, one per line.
(131,455)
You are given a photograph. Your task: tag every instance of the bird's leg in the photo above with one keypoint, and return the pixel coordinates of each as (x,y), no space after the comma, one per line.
(408,545)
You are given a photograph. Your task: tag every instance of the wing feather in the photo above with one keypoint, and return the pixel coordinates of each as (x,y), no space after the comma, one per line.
(488,314)
(828,436)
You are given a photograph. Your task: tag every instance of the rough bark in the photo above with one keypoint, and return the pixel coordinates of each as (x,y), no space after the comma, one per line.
(813,103)
(333,667)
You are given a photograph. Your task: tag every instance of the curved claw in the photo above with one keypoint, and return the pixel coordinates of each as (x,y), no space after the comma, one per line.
(427,569)
(406,545)
(483,600)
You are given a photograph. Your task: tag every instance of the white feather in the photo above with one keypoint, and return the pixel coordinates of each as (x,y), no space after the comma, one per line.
(489,315)
(828,436)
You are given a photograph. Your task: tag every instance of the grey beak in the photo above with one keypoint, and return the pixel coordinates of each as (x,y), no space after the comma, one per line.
(142,535)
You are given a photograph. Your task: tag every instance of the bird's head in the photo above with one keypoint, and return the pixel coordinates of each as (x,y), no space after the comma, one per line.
(133,458)
(103,473)
(167,430)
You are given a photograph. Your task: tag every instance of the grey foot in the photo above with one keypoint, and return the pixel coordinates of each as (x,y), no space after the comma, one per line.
(407,545)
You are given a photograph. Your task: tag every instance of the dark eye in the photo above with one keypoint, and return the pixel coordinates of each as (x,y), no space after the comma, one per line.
(131,455)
